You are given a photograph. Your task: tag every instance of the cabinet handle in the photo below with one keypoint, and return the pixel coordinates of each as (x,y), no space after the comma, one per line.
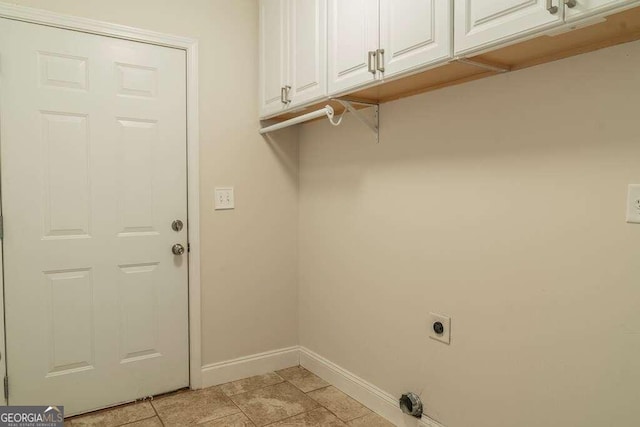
(286,94)
(283,93)
(570,3)
(552,9)
(372,55)
(380,60)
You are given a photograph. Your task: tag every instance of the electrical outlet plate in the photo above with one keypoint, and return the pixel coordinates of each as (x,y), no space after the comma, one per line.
(224,198)
(633,204)
(445,336)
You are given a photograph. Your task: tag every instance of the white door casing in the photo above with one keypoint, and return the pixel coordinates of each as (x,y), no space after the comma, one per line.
(481,24)
(93,173)
(307,75)
(414,34)
(353,31)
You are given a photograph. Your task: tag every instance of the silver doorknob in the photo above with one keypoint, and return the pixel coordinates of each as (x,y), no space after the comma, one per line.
(177,249)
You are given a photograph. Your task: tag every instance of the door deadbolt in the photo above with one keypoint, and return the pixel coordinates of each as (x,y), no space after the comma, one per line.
(177,249)
(177,225)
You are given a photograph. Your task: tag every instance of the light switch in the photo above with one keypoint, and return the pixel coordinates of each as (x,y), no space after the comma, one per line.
(633,203)
(224,198)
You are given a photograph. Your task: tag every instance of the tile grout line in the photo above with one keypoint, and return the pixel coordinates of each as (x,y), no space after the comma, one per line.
(292,416)
(322,406)
(271,385)
(157,414)
(248,391)
(137,421)
(334,414)
(238,406)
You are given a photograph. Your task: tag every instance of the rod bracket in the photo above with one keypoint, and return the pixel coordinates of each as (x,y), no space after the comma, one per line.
(489,67)
(372,123)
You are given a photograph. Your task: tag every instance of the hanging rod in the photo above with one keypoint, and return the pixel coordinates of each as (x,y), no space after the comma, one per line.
(326,111)
(496,68)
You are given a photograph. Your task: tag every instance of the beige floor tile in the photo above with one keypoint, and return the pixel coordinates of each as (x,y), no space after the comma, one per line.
(274,403)
(371,420)
(114,417)
(251,383)
(149,422)
(317,418)
(303,379)
(194,407)
(339,403)
(235,420)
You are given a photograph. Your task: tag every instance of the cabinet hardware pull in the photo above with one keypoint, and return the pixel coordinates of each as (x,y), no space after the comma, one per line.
(372,55)
(380,60)
(552,9)
(282,95)
(571,3)
(286,94)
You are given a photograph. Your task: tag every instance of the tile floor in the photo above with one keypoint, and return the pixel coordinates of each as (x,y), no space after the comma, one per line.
(290,397)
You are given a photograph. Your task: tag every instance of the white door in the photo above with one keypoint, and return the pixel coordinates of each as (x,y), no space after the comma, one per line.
(582,8)
(414,34)
(308,51)
(93,174)
(353,35)
(480,24)
(273,56)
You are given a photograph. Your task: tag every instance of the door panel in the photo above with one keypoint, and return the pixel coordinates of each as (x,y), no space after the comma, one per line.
(414,33)
(308,50)
(480,24)
(273,55)
(353,32)
(93,140)
(584,8)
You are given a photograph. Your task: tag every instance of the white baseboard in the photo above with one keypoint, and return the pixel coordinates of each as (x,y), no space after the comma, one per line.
(366,393)
(243,367)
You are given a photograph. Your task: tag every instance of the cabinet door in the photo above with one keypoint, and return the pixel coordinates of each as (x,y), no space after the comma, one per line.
(481,24)
(414,34)
(273,55)
(307,51)
(584,8)
(353,33)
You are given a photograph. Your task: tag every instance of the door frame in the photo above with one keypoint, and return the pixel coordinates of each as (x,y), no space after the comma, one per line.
(190,46)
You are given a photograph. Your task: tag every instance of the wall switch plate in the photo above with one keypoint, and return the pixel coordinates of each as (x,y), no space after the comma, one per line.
(224,198)
(440,327)
(633,203)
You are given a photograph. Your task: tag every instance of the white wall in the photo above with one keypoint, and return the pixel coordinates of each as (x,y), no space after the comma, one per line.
(502,204)
(249,255)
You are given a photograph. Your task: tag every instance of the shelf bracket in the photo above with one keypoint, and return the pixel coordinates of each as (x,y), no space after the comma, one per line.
(488,67)
(373,124)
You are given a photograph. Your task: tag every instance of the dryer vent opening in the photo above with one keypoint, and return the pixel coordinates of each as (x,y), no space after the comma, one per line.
(411,404)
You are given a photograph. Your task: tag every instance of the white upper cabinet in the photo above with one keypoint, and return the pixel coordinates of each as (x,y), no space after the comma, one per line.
(273,55)
(293,53)
(307,51)
(353,40)
(370,40)
(413,33)
(481,24)
(577,9)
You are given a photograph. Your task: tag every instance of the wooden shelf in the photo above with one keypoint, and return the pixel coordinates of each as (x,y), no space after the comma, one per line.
(615,29)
